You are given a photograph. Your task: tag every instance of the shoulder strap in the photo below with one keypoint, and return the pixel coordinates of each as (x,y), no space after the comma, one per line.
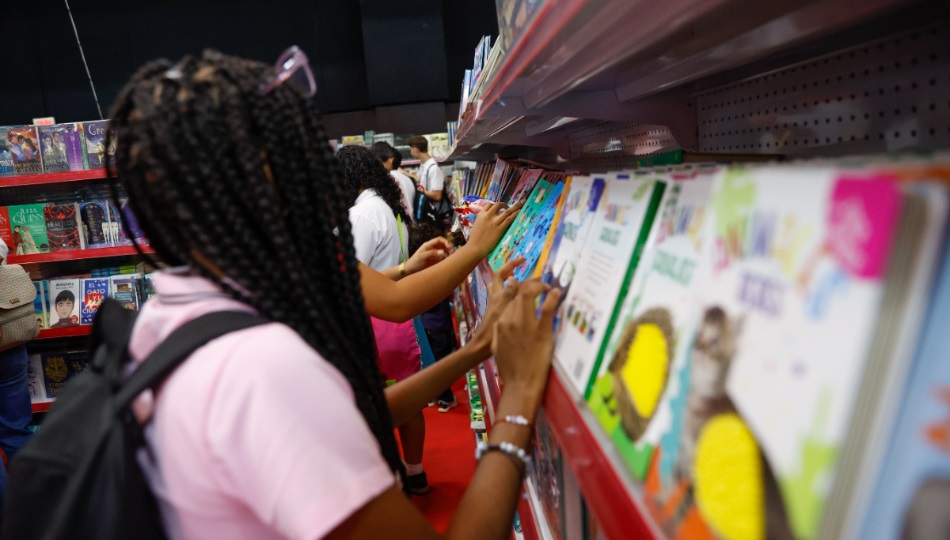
(179,345)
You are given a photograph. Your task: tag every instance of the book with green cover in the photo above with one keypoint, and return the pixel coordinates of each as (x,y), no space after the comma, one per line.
(526,218)
(608,258)
(28,225)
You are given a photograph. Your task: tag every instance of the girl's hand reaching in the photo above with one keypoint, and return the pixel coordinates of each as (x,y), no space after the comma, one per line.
(490,226)
(428,254)
(501,292)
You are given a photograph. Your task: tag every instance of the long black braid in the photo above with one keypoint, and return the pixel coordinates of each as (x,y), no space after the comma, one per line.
(245,190)
(362,170)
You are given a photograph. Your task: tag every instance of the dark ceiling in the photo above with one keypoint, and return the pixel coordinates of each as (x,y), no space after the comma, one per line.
(364,53)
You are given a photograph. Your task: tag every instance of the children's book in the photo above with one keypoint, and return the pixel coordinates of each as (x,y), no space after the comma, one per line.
(911,488)
(24,145)
(39,304)
(124,289)
(94,291)
(94,134)
(64,300)
(497,178)
(577,215)
(62,147)
(60,367)
(28,229)
(532,208)
(536,237)
(547,475)
(789,300)
(62,226)
(618,231)
(95,222)
(525,185)
(648,343)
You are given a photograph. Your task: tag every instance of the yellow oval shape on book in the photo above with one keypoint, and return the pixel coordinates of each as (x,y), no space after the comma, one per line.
(645,369)
(728,483)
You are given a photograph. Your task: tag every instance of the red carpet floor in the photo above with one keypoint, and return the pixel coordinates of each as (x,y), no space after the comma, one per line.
(449,459)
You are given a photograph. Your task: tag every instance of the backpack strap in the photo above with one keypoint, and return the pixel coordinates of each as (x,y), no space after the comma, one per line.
(178,346)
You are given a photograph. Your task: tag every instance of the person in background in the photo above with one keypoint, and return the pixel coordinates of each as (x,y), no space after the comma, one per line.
(392,160)
(437,321)
(292,436)
(430,177)
(15,409)
(381,234)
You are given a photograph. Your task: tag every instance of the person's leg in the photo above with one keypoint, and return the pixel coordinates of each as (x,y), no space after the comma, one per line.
(443,343)
(412,436)
(15,409)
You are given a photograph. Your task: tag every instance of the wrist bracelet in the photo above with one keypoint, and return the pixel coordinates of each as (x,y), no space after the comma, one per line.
(402,270)
(517,455)
(516,419)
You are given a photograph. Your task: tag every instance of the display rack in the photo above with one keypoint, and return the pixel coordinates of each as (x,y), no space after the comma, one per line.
(597,85)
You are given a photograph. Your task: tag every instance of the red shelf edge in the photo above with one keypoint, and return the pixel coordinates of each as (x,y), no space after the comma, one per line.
(51,178)
(616,510)
(40,407)
(528,527)
(69,331)
(76,254)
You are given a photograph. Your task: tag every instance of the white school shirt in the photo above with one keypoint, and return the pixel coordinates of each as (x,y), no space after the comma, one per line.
(376,232)
(408,188)
(430,176)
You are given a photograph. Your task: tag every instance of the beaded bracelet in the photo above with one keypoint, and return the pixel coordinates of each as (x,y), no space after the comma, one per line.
(516,420)
(517,455)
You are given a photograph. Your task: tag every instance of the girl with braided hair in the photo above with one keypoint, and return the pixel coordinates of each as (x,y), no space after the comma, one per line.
(284,430)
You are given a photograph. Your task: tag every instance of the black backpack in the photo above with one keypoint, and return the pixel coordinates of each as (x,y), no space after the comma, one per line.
(78,477)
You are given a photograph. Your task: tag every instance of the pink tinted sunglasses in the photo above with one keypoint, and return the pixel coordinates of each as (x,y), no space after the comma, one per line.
(294,65)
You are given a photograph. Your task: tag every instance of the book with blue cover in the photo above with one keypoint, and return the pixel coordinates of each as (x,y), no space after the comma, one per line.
(526,217)
(536,237)
(95,223)
(94,291)
(39,304)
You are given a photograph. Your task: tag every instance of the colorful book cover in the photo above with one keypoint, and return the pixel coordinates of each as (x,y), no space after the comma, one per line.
(532,208)
(60,367)
(62,226)
(494,188)
(525,185)
(577,215)
(94,291)
(28,229)
(121,223)
(536,237)
(795,265)
(552,232)
(620,228)
(62,147)
(6,230)
(911,489)
(24,145)
(148,287)
(124,289)
(547,474)
(648,343)
(64,299)
(95,141)
(39,304)
(6,155)
(95,222)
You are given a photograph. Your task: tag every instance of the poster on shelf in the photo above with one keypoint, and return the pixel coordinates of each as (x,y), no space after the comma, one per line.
(789,301)
(22,142)
(64,299)
(28,229)
(607,260)
(631,393)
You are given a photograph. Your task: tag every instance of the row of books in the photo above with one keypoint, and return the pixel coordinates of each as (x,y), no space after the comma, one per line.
(74,301)
(74,146)
(474,81)
(48,372)
(438,142)
(762,345)
(30,229)
(504,180)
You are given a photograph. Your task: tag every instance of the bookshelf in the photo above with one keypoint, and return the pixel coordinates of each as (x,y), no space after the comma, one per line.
(51,178)
(599,85)
(67,332)
(77,255)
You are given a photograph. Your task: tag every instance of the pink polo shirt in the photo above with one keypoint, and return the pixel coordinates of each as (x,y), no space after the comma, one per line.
(255,435)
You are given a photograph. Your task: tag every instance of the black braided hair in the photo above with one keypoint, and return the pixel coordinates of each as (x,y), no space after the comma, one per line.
(361,170)
(245,190)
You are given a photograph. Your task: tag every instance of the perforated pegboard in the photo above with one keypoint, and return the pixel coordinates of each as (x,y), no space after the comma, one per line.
(614,146)
(891,94)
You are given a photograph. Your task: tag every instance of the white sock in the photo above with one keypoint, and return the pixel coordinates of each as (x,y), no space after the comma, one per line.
(413,470)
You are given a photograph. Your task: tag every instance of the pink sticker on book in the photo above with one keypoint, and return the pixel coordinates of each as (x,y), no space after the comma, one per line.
(861,224)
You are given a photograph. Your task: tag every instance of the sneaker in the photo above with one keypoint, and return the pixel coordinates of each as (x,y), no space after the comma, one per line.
(432,404)
(417,484)
(446,406)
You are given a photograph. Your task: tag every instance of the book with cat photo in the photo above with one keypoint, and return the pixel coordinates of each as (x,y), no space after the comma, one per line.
(606,263)
(632,391)
(792,280)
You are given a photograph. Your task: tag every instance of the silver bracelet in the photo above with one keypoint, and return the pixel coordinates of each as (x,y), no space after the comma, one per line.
(517,455)
(516,419)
